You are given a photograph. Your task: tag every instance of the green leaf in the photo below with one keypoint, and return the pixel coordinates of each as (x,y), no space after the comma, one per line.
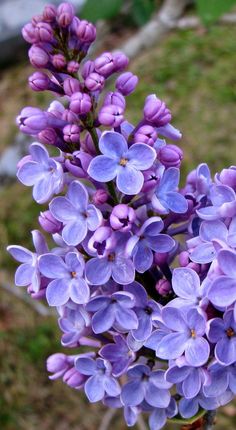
(190,420)
(210,10)
(142,10)
(100,9)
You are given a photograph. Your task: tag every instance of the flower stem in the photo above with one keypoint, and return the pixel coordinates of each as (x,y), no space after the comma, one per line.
(209,420)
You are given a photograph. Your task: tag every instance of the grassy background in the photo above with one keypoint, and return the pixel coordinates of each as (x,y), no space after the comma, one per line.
(195,74)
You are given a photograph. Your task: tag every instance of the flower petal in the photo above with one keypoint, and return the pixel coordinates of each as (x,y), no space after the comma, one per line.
(185,283)
(62,209)
(103,319)
(197,351)
(79,291)
(77,195)
(222,291)
(57,292)
(21,254)
(129,180)
(112,144)
(52,266)
(103,169)
(24,274)
(74,232)
(98,271)
(172,346)
(141,156)
(94,389)
(132,393)
(123,271)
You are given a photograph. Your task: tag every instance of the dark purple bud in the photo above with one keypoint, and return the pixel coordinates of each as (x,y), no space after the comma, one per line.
(86,31)
(120,61)
(49,13)
(29,33)
(100,197)
(32,120)
(104,64)
(73,378)
(146,134)
(71,133)
(49,223)
(36,19)
(126,83)
(151,179)
(39,81)
(73,66)
(87,68)
(227,177)
(170,156)
(115,98)
(77,163)
(74,25)
(122,217)
(59,61)
(48,136)
(156,112)
(163,287)
(44,32)
(102,241)
(65,14)
(69,116)
(38,57)
(71,86)
(87,145)
(94,82)
(57,364)
(80,103)
(111,115)
(183,258)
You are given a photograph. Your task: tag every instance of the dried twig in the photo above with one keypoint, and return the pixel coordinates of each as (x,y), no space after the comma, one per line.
(107,418)
(209,420)
(141,423)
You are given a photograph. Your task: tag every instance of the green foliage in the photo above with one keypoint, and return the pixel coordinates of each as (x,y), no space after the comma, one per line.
(210,10)
(101,9)
(142,10)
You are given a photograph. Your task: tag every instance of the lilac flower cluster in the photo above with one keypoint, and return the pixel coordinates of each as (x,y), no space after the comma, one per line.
(161,339)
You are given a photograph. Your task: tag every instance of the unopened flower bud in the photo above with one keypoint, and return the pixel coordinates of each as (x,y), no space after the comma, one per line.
(111,115)
(49,223)
(86,31)
(80,103)
(146,134)
(49,13)
(100,197)
(121,61)
(71,86)
(183,258)
(57,364)
(39,81)
(29,33)
(48,136)
(73,66)
(227,177)
(71,133)
(156,112)
(59,61)
(65,14)
(170,156)
(44,32)
(69,116)
(94,82)
(38,57)
(163,287)
(126,83)
(87,68)
(73,378)
(104,64)
(122,217)
(115,98)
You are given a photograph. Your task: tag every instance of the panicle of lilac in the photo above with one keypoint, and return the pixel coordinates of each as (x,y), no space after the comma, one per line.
(119,226)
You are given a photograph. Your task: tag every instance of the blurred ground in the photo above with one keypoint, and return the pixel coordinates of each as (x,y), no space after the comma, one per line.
(195,74)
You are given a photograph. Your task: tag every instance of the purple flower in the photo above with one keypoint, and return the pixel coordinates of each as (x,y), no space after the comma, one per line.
(43,172)
(191,378)
(76,213)
(67,278)
(147,311)
(122,217)
(145,384)
(221,378)
(189,407)
(146,240)
(119,355)
(115,310)
(122,162)
(28,272)
(156,112)
(111,261)
(166,198)
(58,364)
(126,83)
(222,332)
(100,381)
(74,324)
(222,290)
(159,416)
(186,337)
(223,201)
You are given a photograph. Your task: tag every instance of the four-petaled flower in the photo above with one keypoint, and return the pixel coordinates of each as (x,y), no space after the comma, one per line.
(166,198)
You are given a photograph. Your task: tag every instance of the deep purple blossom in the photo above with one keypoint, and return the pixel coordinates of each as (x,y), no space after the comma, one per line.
(122,163)
(115,310)
(223,201)
(222,378)
(74,324)
(119,355)
(75,212)
(100,381)
(147,239)
(68,282)
(43,172)
(166,197)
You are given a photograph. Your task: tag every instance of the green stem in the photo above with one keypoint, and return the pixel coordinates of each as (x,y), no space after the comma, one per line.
(94,136)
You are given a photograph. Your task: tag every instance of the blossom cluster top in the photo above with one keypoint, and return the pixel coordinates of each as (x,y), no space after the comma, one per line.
(141,273)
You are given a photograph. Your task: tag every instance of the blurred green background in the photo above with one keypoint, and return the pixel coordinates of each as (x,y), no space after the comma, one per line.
(194,72)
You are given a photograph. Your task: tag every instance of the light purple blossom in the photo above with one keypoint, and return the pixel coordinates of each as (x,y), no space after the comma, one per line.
(43,172)
(100,381)
(68,282)
(119,161)
(223,201)
(222,332)
(166,197)
(75,212)
(119,355)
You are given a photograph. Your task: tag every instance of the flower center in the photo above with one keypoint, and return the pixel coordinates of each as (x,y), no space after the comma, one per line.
(111,257)
(123,162)
(73,274)
(193,334)
(230,332)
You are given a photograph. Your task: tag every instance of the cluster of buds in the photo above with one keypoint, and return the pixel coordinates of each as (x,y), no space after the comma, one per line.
(161,338)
